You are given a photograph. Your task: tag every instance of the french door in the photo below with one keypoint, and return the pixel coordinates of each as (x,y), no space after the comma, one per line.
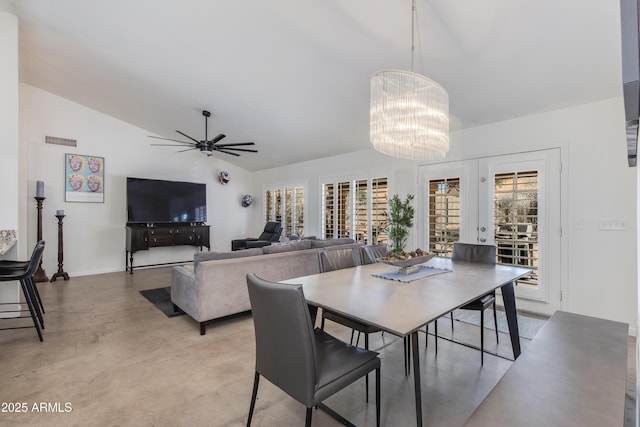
(510,201)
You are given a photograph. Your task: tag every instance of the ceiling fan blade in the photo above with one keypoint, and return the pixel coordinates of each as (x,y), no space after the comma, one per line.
(171,145)
(188,149)
(231,144)
(187,136)
(237,149)
(228,152)
(218,138)
(169,139)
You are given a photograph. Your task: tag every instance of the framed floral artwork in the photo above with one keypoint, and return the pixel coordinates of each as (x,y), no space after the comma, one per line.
(84,178)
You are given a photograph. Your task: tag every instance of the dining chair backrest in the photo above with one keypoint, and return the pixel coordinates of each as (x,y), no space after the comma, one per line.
(337,258)
(285,344)
(371,253)
(485,254)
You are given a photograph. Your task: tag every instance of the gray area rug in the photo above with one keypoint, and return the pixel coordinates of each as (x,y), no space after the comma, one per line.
(161,298)
(528,326)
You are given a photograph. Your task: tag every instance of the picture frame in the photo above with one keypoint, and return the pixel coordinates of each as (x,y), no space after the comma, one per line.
(83,178)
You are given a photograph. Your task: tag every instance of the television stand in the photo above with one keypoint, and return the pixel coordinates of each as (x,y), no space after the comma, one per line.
(146,236)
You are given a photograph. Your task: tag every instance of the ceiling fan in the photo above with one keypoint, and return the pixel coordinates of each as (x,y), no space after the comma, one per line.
(207,146)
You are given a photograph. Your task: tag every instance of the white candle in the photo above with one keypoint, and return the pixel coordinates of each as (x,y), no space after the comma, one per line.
(60,212)
(39,189)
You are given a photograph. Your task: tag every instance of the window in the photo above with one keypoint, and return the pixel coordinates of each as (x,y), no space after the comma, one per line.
(286,205)
(356,209)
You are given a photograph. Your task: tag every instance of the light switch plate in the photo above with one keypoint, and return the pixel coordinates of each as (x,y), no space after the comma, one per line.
(613,224)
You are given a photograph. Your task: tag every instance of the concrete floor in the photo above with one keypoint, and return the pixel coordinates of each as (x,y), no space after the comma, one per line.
(110,358)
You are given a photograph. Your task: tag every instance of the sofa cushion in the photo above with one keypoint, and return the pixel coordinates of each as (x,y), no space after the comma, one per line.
(207,256)
(331,242)
(293,246)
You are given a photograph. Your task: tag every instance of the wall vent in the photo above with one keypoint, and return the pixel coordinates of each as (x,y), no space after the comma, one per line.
(60,141)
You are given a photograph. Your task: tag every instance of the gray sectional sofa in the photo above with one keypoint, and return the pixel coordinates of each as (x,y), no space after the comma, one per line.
(215,286)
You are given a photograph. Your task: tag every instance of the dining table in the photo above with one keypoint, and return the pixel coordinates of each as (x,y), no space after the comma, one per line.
(404,304)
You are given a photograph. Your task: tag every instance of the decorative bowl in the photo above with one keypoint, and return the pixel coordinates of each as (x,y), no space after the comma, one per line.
(408,262)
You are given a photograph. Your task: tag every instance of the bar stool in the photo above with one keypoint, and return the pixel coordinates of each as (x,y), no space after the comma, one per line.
(25,277)
(10,266)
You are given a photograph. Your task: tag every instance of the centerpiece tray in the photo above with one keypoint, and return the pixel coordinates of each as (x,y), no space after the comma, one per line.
(408,266)
(408,262)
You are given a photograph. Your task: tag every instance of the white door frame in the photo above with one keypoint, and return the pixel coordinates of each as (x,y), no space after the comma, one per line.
(547,299)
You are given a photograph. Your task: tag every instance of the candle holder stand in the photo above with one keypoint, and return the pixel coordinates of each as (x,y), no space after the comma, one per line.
(40,275)
(60,272)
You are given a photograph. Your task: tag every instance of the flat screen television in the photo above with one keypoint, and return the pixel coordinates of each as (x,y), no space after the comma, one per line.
(158,201)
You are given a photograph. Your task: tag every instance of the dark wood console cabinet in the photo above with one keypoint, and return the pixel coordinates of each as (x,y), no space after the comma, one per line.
(142,237)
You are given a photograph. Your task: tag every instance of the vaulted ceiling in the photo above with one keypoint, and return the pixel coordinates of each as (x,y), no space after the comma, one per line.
(293,75)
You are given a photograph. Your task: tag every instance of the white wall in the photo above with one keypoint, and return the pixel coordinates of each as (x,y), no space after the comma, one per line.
(94,233)
(9,122)
(9,194)
(599,267)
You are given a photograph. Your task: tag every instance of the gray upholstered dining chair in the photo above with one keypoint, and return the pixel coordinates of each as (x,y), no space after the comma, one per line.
(485,254)
(371,253)
(309,365)
(337,258)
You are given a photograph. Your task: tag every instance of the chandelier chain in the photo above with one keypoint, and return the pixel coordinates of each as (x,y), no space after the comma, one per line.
(413,23)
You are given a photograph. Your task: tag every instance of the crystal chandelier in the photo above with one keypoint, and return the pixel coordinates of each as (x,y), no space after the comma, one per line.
(409,113)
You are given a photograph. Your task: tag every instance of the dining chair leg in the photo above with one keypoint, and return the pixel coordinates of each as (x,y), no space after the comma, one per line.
(407,356)
(37,293)
(307,422)
(481,337)
(426,333)
(436,330)
(451,320)
(29,302)
(34,300)
(366,377)
(378,397)
(495,321)
(256,380)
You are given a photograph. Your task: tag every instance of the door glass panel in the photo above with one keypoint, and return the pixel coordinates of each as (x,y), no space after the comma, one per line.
(444,215)
(516,221)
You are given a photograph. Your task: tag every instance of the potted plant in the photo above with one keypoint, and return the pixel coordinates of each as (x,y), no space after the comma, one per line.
(400,219)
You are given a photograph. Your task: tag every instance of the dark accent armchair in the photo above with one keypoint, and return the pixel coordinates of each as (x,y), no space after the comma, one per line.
(271,233)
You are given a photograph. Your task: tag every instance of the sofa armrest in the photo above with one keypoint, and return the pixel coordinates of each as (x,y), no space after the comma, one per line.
(185,291)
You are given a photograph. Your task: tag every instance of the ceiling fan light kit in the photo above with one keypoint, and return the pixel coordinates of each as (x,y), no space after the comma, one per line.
(409,113)
(207,146)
